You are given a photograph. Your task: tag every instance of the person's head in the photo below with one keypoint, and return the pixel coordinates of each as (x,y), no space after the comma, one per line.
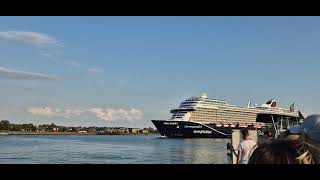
(284,134)
(294,137)
(280,151)
(308,153)
(268,134)
(289,134)
(245,134)
(309,129)
(285,151)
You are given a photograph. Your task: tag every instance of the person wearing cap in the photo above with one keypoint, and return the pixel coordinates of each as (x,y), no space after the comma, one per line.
(294,133)
(309,130)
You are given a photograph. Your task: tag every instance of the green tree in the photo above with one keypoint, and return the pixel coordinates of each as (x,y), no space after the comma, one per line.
(15,127)
(63,129)
(4,125)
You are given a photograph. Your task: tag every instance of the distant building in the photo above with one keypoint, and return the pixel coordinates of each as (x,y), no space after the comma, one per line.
(134,130)
(124,130)
(144,131)
(92,130)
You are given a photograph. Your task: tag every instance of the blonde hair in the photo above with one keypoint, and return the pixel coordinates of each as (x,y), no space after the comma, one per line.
(308,153)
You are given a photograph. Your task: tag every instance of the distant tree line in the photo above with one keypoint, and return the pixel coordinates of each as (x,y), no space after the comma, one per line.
(5,125)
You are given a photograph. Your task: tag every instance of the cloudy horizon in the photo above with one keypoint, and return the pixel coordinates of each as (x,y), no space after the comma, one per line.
(126,71)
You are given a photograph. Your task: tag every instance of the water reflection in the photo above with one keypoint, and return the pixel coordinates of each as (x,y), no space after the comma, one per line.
(193,151)
(112,150)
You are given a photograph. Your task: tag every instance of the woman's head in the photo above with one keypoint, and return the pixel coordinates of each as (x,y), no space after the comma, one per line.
(285,151)
(275,152)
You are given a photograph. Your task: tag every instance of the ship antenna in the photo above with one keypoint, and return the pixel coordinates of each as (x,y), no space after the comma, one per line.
(292,107)
(249,103)
(204,95)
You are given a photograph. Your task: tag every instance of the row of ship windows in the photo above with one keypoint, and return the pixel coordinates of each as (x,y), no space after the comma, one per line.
(224,109)
(225,114)
(224,120)
(243,118)
(231,113)
(204,102)
(215,117)
(228,108)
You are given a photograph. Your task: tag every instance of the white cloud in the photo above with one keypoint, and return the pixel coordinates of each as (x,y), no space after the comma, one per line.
(47,55)
(72,112)
(50,56)
(106,114)
(16,74)
(74,64)
(109,114)
(30,37)
(93,70)
(42,111)
(55,112)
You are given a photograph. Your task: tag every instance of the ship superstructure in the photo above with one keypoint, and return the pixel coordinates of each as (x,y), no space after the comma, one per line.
(219,116)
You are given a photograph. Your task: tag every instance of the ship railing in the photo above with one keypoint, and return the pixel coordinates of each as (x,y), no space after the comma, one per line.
(181,108)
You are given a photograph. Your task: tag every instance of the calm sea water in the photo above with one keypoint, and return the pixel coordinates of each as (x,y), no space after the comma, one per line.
(111,150)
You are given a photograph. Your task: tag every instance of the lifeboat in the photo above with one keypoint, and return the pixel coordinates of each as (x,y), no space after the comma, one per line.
(226,125)
(218,125)
(257,125)
(243,125)
(232,125)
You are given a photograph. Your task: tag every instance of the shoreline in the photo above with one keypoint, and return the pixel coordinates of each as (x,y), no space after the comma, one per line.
(67,133)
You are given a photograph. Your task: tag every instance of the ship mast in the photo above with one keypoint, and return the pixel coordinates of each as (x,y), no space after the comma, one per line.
(204,95)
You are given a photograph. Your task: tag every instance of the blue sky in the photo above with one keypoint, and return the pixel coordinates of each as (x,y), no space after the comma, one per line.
(125,71)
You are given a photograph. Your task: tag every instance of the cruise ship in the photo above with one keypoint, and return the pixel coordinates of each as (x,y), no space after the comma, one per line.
(201,116)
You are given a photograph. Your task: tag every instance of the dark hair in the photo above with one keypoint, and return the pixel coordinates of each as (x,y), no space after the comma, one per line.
(280,151)
(268,133)
(284,134)
(245,132)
